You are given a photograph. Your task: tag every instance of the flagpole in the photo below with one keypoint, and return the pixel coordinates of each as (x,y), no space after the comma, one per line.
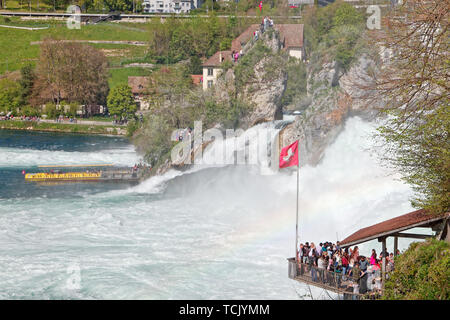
(296,213)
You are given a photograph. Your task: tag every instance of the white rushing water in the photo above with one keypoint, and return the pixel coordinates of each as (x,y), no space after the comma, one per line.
(15,157)
(219,233)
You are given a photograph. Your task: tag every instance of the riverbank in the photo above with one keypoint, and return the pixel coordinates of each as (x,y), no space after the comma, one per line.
(63,127)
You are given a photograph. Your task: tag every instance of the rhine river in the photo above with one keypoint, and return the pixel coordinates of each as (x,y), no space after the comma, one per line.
(219,233)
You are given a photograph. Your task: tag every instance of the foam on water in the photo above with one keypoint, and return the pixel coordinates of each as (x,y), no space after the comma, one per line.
(15,157)
(220,233)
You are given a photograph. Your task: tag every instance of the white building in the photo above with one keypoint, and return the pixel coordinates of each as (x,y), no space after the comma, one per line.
(212,68)
(170,6)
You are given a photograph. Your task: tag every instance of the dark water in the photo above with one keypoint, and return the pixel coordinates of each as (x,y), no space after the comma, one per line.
(24,151)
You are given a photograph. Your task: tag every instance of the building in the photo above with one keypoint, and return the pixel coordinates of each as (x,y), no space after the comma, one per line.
(212,67)
(197,79)
(140,89)
(291,38)
(170,6)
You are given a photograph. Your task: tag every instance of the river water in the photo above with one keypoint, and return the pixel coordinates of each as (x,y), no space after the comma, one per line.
(218,233)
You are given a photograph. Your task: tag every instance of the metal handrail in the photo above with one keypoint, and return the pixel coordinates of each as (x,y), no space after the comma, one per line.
(337,282)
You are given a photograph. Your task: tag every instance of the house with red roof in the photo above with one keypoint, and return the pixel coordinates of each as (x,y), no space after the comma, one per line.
(213,67)
(291,38)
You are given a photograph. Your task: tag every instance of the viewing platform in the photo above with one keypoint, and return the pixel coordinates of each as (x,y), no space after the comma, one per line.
(371,285)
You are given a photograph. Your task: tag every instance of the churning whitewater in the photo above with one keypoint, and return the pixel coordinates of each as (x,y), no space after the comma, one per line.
(217,233)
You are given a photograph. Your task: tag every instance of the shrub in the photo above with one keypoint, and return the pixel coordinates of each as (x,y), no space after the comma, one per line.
(10,97)
(29,111)
(421,273)
(51,111)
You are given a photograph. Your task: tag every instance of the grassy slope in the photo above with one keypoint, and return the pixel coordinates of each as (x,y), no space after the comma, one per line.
(16,51)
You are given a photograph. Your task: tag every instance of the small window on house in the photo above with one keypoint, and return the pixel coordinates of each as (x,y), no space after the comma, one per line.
(210,83)
(210,71)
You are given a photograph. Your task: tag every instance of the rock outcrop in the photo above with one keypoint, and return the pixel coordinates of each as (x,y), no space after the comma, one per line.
(334,97)
(265,90)
(265,96)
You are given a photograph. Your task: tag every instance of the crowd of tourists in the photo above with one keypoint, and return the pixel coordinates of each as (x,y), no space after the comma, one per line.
(265,24)
(330,264)
(62,119)
(10,116)
(235,55)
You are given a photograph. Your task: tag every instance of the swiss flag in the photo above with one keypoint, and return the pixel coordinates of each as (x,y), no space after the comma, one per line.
(289,155)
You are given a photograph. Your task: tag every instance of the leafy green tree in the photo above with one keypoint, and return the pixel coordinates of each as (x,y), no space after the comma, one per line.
(119,5)
(414,82)
(195,65)
(421,273)
(346,14)
(26,82)
(29,111)
(155,139)
(121,102)
(10,95)
(51,111)
(58,4)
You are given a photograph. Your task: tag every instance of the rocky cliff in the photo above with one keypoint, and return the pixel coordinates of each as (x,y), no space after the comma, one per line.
(265,88)
(334,96)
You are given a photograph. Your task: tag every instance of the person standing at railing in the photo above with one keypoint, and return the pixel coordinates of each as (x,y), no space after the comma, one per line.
(356,275)
(376,279)
(321,265)
(373,257)
(363,264)
(313,262)
(300,259)
(344,264)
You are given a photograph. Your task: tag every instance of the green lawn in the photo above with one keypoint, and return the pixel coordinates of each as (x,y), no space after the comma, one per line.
(119,76)
(23,5)
(16,50)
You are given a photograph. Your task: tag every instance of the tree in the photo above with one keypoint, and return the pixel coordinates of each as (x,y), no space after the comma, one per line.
(121,102)
(155,139)
(10,95)
(70,71)
(415,82)
(26,82)
(58,4)
(119,5)
(421,273)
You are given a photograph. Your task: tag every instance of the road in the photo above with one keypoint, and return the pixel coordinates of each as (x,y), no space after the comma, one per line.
(122,16)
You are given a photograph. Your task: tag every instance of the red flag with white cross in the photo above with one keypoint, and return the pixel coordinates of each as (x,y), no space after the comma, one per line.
(289,155)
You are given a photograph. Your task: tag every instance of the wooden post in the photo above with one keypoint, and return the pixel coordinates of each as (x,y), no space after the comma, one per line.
(383,267)
(395,246)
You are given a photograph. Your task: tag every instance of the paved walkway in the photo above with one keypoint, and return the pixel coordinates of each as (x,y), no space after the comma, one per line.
(85,122)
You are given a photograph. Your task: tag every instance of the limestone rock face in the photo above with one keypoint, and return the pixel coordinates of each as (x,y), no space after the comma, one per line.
(265,90)
(334,97)
(264,95)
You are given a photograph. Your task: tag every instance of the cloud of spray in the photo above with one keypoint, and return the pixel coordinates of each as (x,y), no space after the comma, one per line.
(348,190)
